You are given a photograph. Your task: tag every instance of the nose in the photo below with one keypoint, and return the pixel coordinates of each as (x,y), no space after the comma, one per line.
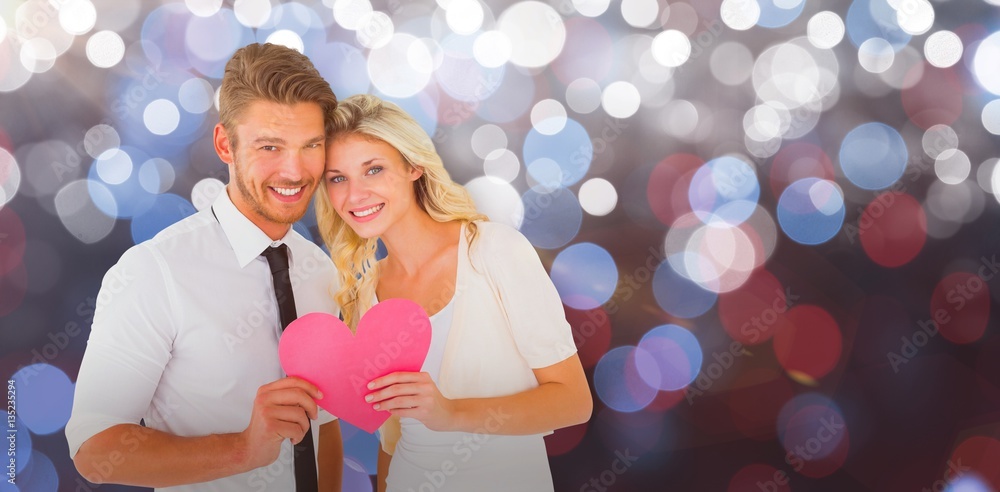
(292,168)
(357,191)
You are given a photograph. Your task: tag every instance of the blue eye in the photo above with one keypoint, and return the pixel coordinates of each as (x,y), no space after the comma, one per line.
(337,179)
(375,170)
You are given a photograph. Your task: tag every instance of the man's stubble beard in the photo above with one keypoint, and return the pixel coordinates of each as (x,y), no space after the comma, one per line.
(246,192)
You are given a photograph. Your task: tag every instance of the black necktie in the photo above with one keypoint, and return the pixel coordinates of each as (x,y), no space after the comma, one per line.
(305,462)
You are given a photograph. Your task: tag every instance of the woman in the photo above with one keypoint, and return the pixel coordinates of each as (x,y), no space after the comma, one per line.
(502,368)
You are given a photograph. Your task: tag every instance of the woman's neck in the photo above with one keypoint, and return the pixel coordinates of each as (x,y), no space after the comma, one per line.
(413,241)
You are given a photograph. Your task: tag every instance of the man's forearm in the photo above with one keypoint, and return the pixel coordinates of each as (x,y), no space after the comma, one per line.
(134,455)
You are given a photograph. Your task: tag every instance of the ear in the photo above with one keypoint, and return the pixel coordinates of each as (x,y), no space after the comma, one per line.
(223,145)
(416,173)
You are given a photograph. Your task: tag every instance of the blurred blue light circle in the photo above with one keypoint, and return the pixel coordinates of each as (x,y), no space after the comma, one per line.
(44,397)
(211,41)
(873,156)
(571,149)
(22,455)
(811,210)
(160,30)
(772,15)
(724,189)
(799,402)
(617,380)
(680,296)
(422,107)
(40,474)
(676,354)
(551,220)
(344,67)
(868,19)
(162,212)
(546,172)
(585,276)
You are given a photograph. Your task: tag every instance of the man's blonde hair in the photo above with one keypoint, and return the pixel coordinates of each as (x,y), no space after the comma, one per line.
(275,73)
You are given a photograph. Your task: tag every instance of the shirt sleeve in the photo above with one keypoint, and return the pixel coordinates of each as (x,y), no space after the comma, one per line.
(129,347)
(527,295)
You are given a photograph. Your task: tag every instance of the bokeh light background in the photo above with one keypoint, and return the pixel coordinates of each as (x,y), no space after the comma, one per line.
(771,222)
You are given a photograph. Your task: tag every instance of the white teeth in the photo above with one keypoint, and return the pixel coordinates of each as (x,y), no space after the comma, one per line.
(366,213)
(287,191)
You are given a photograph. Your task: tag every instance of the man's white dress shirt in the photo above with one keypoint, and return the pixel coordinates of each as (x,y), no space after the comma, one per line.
(186,330)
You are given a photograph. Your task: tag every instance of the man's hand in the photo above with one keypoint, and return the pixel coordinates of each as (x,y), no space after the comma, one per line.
(281,410)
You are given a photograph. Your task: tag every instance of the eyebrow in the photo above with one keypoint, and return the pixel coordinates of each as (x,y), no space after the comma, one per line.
(363,164)
(281,141)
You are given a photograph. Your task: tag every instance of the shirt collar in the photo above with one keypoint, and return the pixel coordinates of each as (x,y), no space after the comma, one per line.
(246,239)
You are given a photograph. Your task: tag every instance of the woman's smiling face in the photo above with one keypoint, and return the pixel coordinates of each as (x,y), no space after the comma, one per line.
(369,183)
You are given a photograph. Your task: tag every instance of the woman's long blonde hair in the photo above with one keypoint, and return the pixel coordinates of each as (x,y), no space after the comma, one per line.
(439,196)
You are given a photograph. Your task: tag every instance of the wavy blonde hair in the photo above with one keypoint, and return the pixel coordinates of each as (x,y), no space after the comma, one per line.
(443,199)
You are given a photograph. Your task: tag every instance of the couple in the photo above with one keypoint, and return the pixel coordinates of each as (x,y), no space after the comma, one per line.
(180,386)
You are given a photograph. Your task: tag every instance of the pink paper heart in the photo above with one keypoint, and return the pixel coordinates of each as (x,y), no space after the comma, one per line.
(392,336)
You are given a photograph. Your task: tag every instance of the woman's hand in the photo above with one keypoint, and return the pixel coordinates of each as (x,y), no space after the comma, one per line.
(413,395)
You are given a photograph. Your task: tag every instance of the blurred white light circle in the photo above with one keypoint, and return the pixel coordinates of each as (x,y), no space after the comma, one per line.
(583,95)
(640,13)
(348,13)
(156,175)
(984,174)
(679,118)
(591,8)
(38,55)
(375,30)
(915,17)
(991,116)
(10,177)
(671,48)
(77,17)
(195,95)
(161,117)
(740,15)
(100,139)
(825,30)
(497,199)
(204,192)
(492,49)
(731,63)
(598,197)
(203,8)
(114,166)
(536,32)
(81,216)
(390,70)
(939,139)
(502,164)
(952,167)
(488,138)
(985,65)
(995,182)
(620,99)
(876,55)
(943,49)
(762,123)
(288,39)
(464,16)
(105,49)
(252,13)
(548,117)
(421,55)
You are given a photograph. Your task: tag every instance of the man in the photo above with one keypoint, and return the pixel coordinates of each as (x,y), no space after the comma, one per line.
(185,336)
